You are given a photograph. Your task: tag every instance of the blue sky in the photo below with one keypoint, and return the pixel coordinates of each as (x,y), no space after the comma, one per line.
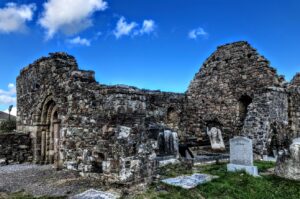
(153,44)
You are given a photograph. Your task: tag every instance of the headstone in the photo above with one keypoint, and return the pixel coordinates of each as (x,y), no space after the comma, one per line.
(288,162)
(241,156)
(216,139)
(168,143)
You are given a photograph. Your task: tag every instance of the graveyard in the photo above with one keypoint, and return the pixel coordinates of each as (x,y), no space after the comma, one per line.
(77,138)
(131,99)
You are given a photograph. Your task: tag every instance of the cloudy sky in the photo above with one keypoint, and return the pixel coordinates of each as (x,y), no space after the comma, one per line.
(153,44)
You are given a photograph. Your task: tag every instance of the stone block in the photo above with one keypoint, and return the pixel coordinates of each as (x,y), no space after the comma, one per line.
(251,170)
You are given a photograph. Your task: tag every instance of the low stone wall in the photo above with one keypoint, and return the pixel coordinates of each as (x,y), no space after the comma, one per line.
(15,148)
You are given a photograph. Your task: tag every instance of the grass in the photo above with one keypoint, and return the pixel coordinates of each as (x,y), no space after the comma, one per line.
(229,185)
(23,195)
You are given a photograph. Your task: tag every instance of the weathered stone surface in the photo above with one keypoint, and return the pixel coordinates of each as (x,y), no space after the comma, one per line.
(267,121)
(221,93)
(288,163)
(241,155)
(241,151)
(79,124)
(189,182)
(15,148)
(216,139)
(168,143)
(94,194)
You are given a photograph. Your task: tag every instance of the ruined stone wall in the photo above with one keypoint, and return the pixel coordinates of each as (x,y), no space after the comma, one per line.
(294,106)
(114,130)
(15,148)
(103,129)
(267,120)
(45,77)
(77,123)
(230,76)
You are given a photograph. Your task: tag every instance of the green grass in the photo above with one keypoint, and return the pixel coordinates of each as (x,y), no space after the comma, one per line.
(229,185)
(23,195)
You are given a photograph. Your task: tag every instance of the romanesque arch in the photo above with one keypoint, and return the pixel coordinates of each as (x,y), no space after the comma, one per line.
(48,136)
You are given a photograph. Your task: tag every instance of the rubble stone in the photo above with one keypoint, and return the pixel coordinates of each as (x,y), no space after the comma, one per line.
(15,148)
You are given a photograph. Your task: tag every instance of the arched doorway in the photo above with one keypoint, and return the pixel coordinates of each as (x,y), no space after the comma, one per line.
(243,104)
(49,136)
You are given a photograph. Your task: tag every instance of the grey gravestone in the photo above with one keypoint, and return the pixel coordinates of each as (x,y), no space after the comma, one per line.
(288,163)
(189,182)
(95,194)
(241,156)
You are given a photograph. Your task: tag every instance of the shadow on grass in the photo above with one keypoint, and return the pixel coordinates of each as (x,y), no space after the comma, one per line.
(23,195)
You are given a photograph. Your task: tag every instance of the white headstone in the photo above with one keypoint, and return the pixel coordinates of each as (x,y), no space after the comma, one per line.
(241,155)
(241,151)
(216,139)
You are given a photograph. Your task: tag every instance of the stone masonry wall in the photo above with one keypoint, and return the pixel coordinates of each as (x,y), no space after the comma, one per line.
(15,148)
(232,72)
(79,124)
(294,106)
(267,120)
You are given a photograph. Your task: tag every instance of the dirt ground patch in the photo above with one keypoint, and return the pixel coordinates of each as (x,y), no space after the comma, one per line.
(43,180)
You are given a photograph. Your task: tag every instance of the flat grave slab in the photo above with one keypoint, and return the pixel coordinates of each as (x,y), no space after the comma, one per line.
(95,194)
(189,182)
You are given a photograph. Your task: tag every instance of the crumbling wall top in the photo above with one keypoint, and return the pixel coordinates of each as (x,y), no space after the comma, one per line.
(296,79)
(61,59)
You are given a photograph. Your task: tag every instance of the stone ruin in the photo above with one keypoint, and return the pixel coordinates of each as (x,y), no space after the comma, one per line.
(117,133)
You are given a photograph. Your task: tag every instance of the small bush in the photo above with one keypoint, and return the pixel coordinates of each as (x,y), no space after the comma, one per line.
(8,125)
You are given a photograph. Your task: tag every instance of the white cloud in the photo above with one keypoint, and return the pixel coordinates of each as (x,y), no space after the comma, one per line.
(5,99)
(13,111)
(8,96)
(11,85)
(13,17)
(69,16)
(148,27)
(123,28)
(80,41)
(195,33)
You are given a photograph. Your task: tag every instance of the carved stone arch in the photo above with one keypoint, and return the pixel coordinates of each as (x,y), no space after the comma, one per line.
(48,136)
(44,108)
